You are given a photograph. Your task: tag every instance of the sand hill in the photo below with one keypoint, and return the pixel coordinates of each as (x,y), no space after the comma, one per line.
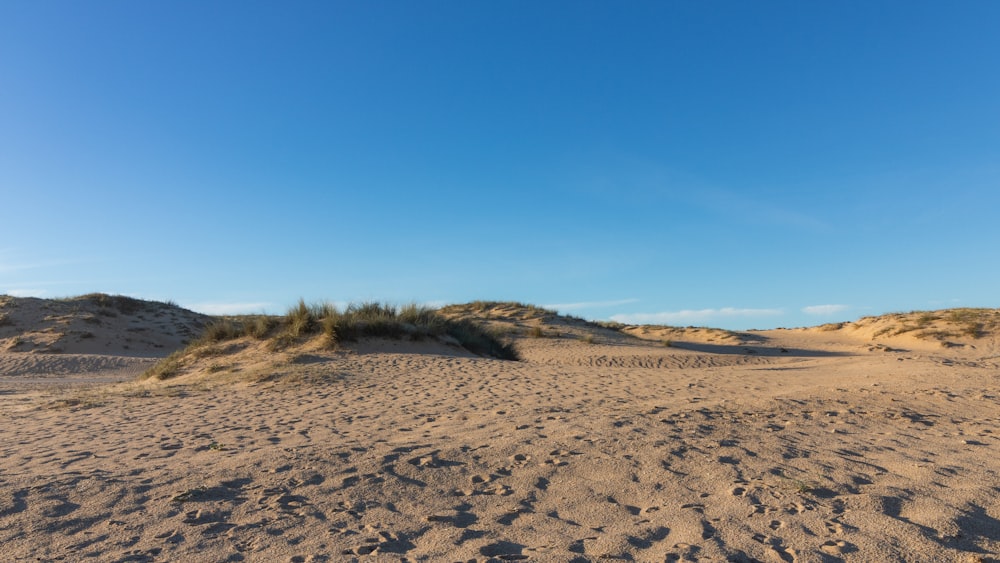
(91,338)
(602,442)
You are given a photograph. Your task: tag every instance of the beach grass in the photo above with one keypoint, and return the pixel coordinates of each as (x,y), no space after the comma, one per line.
(370,319)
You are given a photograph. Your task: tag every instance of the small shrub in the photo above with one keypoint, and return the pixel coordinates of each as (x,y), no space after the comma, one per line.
(166,368)
(224,329)
(208,351)
(300,320)
(972,330)
(370,319)
(280,342)
(611,325)
(882,331)
(259,327)
(479,340)
(120,303)
(536,332)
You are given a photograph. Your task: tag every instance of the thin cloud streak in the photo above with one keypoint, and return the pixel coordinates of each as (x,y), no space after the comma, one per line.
(25,292)
(644,177)
(589,304)
(824,309)
(8,266)
(228,308)
(689,316)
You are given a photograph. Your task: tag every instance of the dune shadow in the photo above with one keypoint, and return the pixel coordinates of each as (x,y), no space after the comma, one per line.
(976,523)
(755,350)
(504,550)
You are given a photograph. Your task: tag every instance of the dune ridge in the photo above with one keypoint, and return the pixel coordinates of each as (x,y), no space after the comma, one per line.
(602,442)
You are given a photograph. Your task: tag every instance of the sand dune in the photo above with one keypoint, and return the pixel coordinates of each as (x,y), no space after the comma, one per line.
(787,445)
(96,324)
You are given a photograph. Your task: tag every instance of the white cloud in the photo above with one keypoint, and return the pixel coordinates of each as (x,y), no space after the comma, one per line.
(588,304)
(689,316)
(26,292)
(824,309)
(8,265)
(227,308)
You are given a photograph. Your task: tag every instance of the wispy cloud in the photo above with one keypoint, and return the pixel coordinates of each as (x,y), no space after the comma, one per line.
(824,309)
(6,266)
(588,304)
(26,292)
(228,308)
(9,264)
(643,179)
(689,316)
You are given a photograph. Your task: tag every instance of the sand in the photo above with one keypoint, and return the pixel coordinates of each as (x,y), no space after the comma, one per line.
(787,445)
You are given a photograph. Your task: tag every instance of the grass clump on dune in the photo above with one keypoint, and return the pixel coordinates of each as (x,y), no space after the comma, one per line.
(501,309)
(356,321)
(114,303)
(373,319)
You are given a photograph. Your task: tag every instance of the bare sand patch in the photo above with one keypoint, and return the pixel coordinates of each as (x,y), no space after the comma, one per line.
(798,445)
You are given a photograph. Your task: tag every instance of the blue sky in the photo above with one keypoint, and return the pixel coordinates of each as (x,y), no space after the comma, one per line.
(733,164)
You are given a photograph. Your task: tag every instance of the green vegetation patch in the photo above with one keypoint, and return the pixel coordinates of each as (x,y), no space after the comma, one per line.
(361,320)
(119,303)
(939,325)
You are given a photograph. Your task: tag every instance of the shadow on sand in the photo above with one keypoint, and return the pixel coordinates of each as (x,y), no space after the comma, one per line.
(760,348)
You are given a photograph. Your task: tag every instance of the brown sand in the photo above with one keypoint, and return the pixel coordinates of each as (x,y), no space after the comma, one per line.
(792,445)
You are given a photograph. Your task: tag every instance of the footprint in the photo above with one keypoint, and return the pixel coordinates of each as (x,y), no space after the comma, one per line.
(707,530)
(499,490)
(782,553)
(834,547)
(520,459)
(796,508)
(429,461)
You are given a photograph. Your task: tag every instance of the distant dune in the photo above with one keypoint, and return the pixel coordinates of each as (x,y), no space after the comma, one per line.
(946,328)
(492,431)
(96,324)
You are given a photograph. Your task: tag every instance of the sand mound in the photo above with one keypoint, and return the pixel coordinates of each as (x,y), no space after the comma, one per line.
(88,340)
(95,324)
(797,445)
(974,329)
(256,347)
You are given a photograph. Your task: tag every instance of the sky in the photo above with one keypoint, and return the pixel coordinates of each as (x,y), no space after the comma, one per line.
(714,163)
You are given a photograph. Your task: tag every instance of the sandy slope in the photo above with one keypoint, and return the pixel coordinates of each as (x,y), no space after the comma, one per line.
(95,324)
(801,445)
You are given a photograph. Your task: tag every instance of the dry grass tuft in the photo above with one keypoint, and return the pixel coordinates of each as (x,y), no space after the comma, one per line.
(368,319)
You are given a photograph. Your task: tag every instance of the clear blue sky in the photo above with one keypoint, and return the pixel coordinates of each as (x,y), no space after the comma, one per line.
(734,164)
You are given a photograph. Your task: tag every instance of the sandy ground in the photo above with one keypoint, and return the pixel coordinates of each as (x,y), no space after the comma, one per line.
(799,446)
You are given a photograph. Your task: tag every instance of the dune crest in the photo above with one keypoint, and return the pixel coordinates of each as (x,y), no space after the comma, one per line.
(601,442)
